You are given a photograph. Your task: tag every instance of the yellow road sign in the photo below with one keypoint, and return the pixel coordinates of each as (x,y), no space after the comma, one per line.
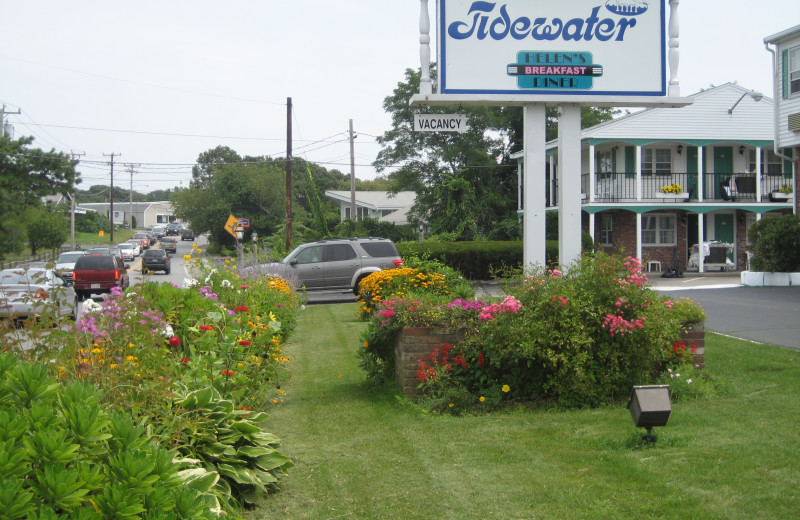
(231,225)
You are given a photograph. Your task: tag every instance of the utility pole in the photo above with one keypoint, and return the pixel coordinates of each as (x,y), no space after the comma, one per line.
(353,214)
(111,210)
(130,207)
(3,119)
(288,174)
(72,207)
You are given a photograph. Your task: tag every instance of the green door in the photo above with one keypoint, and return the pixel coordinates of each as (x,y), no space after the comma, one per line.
(723,229)
(691,171)
(723,168)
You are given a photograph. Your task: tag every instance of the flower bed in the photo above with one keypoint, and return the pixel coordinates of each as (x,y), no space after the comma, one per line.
(574,339)
(194,364)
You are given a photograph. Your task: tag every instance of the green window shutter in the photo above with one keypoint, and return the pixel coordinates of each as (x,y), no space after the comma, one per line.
(787,165)
(630,161)
(785,73)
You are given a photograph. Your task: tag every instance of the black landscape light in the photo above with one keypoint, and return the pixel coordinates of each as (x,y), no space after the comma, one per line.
(650,406)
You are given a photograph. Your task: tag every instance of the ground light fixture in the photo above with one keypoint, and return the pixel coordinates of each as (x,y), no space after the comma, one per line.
(650,406)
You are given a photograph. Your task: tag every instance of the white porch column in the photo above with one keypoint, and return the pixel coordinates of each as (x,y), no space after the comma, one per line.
(592,223)
(639,236)
(534,252)
(638,173)
(592,175)
(425,85)
(569,186)
(674,43)
(700,239)
(700,177)
(759,187)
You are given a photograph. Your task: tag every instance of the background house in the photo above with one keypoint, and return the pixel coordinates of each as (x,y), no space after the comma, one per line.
(144,213)
(380,205)
(715,160)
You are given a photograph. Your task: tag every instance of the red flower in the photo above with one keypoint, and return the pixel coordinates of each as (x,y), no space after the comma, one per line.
(185,360)
(174,341)
(244,343)
(243,308)
(227,373)
(244,286)
(205,327)
(481,360)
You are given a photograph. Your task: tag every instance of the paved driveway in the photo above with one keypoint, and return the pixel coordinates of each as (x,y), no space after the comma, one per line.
(762,314)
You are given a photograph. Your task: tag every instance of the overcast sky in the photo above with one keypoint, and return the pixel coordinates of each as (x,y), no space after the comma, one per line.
(159,82)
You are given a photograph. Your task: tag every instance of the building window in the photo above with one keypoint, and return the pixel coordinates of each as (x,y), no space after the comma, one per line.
(658,230)
(606,230)
(656,160)
(771,164)
(794,70)
(361,212)
(605,164)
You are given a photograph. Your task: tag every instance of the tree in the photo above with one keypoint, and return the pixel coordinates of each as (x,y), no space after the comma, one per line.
(479,160)
(26,175)
(776,244)
(47,229)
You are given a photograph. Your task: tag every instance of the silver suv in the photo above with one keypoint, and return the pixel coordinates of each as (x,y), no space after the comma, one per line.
(337,264)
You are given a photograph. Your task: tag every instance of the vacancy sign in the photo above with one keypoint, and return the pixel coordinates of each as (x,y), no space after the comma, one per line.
(604,48)
(440,123)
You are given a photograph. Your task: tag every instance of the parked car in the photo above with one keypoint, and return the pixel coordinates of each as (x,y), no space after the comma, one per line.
(337,264)
(156,260)
(34,291)
(66,263)
(99,251)
(97,274)
(174,228)
(187,234)
(137,247)
(169,244)
(128,251)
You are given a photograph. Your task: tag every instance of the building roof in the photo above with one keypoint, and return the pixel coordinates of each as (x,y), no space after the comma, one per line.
(787,33)
(376,200)
(706,120)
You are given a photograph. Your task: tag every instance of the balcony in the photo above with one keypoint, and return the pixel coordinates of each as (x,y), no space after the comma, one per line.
(717,187)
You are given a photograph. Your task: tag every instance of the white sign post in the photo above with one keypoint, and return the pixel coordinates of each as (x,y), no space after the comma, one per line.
(531,53)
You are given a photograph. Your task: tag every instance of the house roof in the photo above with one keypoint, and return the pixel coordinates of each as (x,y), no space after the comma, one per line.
(376,200)
(787,33)
(705,121)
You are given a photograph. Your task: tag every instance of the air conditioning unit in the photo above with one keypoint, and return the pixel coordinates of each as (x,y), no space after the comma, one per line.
(794,122)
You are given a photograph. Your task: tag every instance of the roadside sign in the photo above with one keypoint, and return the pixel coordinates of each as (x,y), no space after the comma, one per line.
(244,222)
(440,123)
(231,225)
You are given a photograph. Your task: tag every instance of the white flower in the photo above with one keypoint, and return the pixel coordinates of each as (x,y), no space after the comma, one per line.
(688,381)
(167,332)
(226,283)
(188,283)
(90,305)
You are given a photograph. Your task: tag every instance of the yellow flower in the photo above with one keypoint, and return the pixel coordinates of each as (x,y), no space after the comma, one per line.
(194,246)
(451,405)
(187,257)
(506,388)
(482,399)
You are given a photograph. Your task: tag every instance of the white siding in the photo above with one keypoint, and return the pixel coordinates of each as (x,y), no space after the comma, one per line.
(786,137)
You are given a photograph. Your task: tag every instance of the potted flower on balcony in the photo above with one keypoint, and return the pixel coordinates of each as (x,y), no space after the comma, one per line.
(673,191)
(783,194)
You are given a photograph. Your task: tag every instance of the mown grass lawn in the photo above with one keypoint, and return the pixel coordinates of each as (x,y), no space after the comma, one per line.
(363,453)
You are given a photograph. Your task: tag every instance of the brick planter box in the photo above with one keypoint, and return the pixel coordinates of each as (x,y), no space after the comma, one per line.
(696,333)
(413,345)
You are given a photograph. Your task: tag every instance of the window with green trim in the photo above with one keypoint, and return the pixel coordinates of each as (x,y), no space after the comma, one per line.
(606,229)
(794,70)
(605,164)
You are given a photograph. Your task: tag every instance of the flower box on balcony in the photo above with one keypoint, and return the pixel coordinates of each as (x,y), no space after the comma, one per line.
(676,196)
(777,196)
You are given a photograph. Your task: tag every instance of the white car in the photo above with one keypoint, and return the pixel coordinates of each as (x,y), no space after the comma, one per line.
(137,247)
(34,291)
(128,251)
(66,263)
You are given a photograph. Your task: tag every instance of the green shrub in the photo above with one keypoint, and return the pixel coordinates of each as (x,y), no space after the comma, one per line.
(776,244)
(64,455)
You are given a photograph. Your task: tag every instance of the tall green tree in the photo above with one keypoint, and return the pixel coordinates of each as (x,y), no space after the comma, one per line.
(26,175)
(463,181)
(47,229)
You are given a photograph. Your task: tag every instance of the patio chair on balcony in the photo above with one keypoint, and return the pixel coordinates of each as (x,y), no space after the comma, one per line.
(728,190)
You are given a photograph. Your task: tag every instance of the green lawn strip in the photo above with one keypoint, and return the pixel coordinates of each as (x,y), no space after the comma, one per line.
(365,453)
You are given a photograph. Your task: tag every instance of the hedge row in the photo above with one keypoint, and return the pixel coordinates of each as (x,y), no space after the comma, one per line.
(474,260)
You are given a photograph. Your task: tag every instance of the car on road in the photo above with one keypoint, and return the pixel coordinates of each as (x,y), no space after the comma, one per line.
(66,263)
(144,238)
(128,251)
(32,292)
(159,231)
(337,264)
(187,234)
(174,228)
(156,260)
(137,247)
(98,274)
(169,244)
